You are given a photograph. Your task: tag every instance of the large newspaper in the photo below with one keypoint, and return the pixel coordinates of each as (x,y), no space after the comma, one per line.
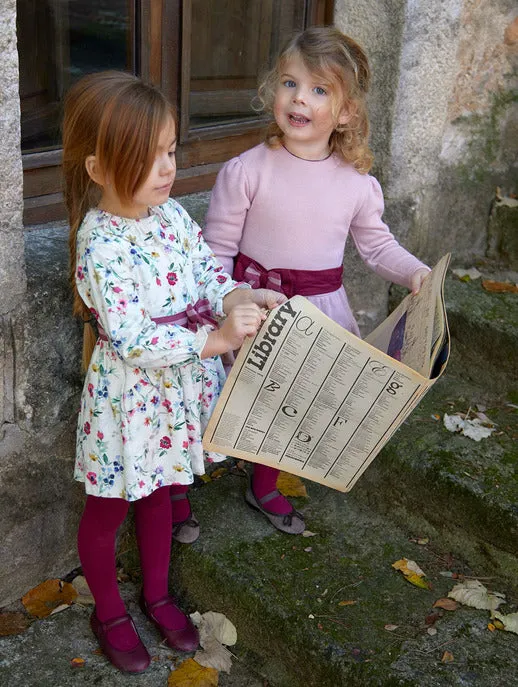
(310,398)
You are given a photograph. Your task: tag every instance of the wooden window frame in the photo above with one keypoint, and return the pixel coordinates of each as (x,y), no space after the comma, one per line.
(160,25)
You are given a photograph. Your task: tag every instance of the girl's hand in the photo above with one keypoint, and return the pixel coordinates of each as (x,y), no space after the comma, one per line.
(242,321)
(266,298)
(417,279)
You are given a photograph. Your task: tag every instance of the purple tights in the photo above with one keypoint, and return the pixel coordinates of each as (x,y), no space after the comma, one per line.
(96,541)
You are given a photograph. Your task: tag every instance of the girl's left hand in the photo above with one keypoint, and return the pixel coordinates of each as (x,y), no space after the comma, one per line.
(417,279)
(267,298)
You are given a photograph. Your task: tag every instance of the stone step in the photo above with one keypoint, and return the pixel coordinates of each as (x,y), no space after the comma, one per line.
(464,488)
(321,610)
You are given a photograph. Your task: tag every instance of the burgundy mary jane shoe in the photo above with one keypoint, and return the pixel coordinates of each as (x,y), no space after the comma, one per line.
(183,639)
(134,660)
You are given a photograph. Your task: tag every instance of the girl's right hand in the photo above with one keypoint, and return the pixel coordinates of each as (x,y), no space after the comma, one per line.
(242,321)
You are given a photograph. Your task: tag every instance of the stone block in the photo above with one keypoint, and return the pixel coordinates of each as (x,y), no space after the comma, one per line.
(503,232)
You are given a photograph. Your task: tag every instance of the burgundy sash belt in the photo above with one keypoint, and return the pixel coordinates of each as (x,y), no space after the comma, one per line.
(289,282)
(192,317)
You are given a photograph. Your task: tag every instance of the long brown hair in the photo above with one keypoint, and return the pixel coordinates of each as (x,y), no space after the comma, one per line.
(342,64)
(118,118)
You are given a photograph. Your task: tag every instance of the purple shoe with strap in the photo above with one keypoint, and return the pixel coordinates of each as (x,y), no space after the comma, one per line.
(291,523)
(185,638)
(134,660)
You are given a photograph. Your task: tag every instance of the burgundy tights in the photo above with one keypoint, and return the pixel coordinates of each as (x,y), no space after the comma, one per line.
(96,541)
(264,481)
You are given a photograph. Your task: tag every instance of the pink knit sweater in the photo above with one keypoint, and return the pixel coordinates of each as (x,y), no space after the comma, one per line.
(286,212)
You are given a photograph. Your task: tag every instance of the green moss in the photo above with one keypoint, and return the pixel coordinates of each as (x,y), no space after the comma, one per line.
(485,139)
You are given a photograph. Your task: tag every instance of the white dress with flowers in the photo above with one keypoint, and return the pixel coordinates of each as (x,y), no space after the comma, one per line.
(147,396)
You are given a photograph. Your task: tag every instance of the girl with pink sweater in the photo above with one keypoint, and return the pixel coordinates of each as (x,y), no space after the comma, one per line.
(280,213)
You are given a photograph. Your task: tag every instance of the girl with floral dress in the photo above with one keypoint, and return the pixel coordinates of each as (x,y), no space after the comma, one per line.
(280,213)
(158,311)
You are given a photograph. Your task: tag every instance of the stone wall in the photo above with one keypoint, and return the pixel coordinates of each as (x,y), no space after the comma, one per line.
(444,130)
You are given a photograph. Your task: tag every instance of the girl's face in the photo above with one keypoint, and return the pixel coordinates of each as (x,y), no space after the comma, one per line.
(303,109)
(156,188)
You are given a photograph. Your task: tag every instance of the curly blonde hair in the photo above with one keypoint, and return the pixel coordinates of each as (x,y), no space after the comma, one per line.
(341,64)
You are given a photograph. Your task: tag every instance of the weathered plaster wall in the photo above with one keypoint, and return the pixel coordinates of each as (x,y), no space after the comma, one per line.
(39,381)
(454,124)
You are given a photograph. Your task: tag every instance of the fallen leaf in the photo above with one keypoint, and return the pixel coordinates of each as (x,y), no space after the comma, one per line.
(205,478)
(216,625)
(447,657)
(13,624)
(432,618)
(219,472)
(467,275)
(474,429)
(491,627)
(290,485)
(308,549)
(447,604)
(215,630)
(408,567)
(307,533)
(192,674)
(423,541)
(47,596)
(473,593)
(510,621)
(84,596)
(390,628)
(77,662)
(412,573)
(214,655)
(347,603)
(432,631)
(499,286)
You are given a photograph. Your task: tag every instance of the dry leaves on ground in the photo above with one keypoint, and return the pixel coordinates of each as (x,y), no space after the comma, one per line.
(475,428)
(215,630)
(473,593)
(48,596)
(290,485)
(467,275)
(509,622)
(446,604)
(192,674)
(412,573)
(499,286)
(84,596)
(13,624)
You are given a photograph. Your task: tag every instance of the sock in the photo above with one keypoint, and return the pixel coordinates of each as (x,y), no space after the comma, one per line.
(153,523)
(181,507)
(264,481)
(96,541)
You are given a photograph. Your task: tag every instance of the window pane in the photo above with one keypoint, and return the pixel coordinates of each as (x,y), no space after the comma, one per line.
(58,42)
(233,42)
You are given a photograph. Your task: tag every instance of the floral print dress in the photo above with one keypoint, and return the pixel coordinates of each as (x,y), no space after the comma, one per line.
(147,395)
